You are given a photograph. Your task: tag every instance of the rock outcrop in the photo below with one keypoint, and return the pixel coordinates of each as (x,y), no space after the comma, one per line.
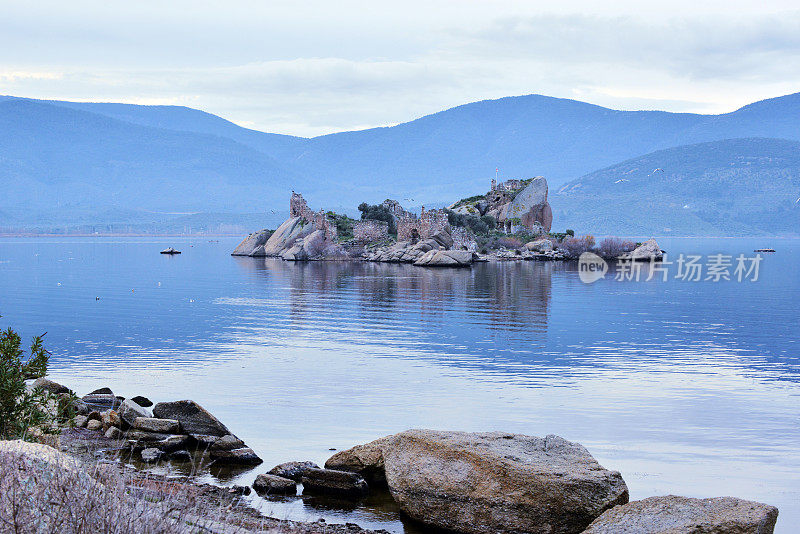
(366,460)
(497,482)
(647,251)
(285,236)
(332,482)
(267,484)
(446,258)
(193,418)
(252,245)
(531,206)
(683,515)
(293,470)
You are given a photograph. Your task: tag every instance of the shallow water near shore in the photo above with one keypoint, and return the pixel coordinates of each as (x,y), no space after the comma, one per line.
(689,388)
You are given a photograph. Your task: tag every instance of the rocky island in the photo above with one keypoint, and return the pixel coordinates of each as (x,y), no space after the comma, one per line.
(512,221)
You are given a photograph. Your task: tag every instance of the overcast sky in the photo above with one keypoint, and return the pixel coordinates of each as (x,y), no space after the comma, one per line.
(308,68)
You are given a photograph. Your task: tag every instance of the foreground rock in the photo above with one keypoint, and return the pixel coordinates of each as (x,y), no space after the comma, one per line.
(332,482)
(498,482)
(130,411)
(294,470)
(242,456)
(193,418)
(274,485)
(446,258)
(683,515)
(366,460)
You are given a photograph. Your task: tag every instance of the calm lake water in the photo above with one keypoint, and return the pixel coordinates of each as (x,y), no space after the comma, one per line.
(690,388)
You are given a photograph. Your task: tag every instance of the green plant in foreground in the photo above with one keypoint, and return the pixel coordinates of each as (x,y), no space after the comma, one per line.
(21,408)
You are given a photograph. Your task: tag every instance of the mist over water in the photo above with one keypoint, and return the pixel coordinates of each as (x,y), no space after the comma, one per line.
(689,388)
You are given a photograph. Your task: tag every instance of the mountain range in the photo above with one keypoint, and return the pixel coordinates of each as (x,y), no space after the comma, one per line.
(68,163)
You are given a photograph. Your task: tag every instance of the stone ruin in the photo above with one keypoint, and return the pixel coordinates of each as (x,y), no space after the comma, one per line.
(412,228)
(369,231)
(299,208)
(463,239)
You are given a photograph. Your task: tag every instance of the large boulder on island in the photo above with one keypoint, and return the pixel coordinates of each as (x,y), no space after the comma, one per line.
(498,482)
(446,258)
(252,245)
(286,235)
(647,251)
(530,205)
(683,515)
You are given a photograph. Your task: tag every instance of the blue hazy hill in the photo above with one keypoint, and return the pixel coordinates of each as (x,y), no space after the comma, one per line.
(196,161)
(56,159)
(730,187)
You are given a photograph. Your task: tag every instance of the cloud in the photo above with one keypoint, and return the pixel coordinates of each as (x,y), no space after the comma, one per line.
(317,70)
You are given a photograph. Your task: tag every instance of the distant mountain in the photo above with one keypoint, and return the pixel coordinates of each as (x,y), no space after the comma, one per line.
(57,160)
(83,156)
(731,187)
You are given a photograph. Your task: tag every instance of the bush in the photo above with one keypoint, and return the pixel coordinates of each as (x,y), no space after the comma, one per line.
(378,212)
(344,225)
(20,408)
(473,222)
(575,246)
(613,247)
(570,232)
(508,242)
(489,221)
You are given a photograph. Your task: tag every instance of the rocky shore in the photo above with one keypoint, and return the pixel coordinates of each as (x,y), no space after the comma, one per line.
(472,483)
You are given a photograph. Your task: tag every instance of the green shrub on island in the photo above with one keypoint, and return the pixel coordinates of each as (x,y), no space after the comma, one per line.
(378,212)
(21,408)
(344,225)
(478,225)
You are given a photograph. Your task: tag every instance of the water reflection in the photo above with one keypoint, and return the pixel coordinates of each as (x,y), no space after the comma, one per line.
(685,388)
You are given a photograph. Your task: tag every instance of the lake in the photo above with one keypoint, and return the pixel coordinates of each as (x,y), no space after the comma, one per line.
(689,388)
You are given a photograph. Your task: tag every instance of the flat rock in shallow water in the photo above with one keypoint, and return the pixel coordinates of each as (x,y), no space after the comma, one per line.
(274,485)
(330,481)
(293,470)
(495,482)
(151,455)
(243,456)
(446,258)
(683,515)
(194,419)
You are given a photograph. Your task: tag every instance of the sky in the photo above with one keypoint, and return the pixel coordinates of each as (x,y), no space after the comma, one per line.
(316,67)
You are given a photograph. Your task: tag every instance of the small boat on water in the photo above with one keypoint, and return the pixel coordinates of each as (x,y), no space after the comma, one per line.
(764,250)
(170,251)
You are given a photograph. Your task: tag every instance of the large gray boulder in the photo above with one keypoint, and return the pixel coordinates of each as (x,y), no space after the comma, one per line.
(647,251)
(339,483)
(130,411)
(446,258)
(498,482)
(267,484)
(194,419)
(683,515)
(293,470)
(530,205)
(252,245)
(52,387)
(366,460)
(285,236)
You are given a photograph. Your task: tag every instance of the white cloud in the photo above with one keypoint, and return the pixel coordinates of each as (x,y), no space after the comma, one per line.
(312,68)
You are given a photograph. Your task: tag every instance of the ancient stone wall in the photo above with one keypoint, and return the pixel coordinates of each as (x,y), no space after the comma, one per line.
(463,239)
(299,208)
(413,228)
(369,231)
